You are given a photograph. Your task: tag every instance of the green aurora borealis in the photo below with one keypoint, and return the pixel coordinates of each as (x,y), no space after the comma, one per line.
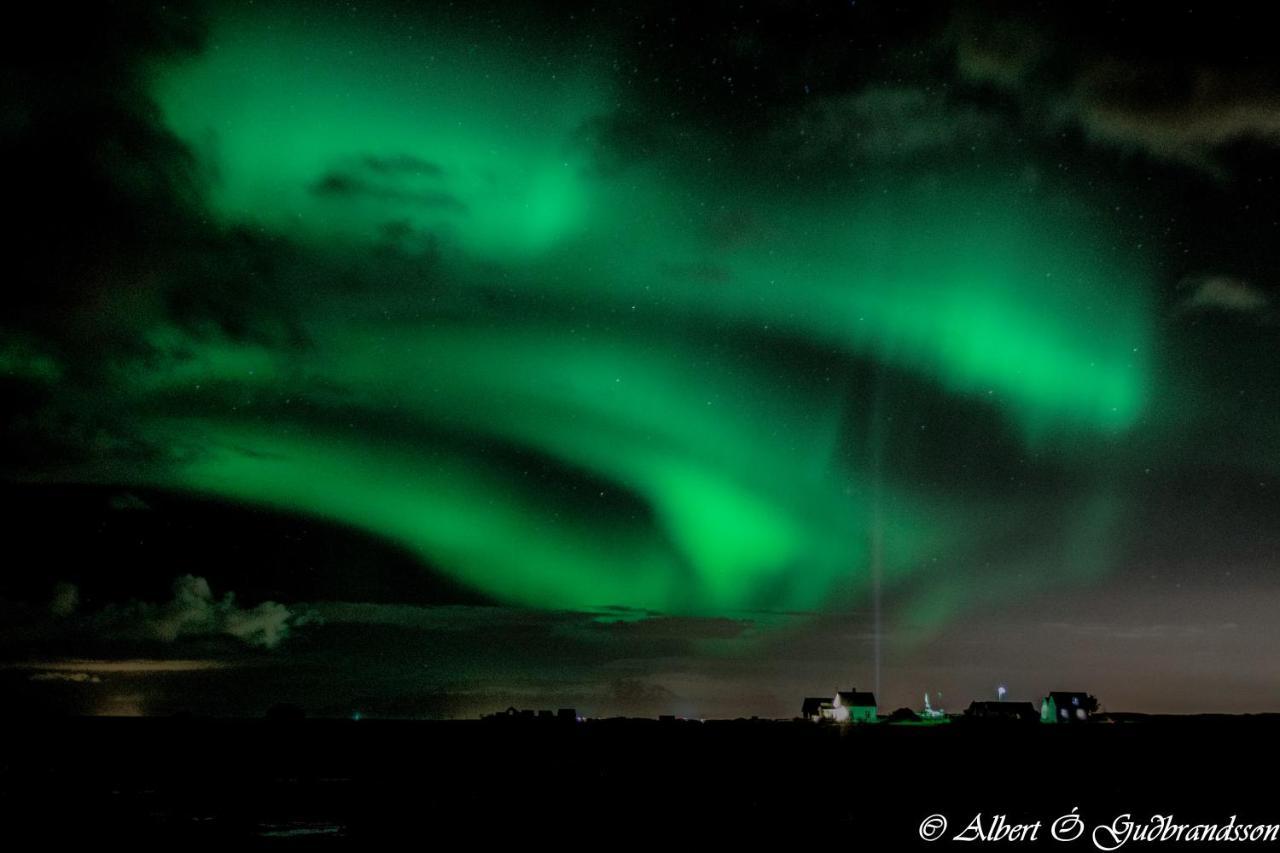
(615,323)
(413,358)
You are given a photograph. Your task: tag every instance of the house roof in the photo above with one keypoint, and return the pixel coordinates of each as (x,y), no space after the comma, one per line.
(813,704)
(856,698)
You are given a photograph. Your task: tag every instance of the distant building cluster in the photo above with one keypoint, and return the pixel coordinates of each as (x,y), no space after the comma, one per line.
(563,715)
(859,706)
(854,706)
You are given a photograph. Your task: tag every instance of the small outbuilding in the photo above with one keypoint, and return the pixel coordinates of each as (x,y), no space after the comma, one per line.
(815,708)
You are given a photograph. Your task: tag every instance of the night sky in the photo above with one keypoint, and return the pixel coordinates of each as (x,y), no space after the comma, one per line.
(424,359)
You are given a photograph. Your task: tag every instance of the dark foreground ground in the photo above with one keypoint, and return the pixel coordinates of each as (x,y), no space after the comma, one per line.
(420,785)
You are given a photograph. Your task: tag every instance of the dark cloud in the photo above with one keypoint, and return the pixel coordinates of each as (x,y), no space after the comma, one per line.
(1224,293)
(99,183)
(1176,114)
(193,612)
(569,636)
(1178,86)
(887,123)
(73,677)
(340,185)
(631,692)
(1003,53)
(401,164)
